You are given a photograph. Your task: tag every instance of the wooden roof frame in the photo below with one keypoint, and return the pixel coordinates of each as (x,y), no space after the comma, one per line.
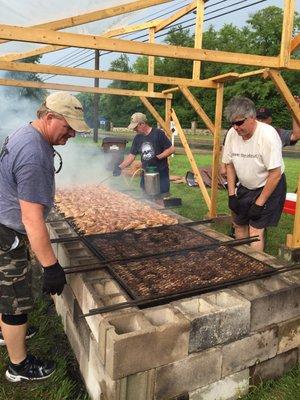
(50,35)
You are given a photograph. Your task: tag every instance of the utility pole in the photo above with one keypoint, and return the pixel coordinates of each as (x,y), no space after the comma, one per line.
(96,98)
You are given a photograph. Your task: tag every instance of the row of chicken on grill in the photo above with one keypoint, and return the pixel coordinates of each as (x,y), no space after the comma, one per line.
(99,209)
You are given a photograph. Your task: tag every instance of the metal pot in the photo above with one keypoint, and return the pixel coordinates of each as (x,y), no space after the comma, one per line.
(151,181)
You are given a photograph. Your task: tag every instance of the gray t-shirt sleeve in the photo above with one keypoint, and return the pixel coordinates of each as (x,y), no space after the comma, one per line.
(285,136)
(33,184)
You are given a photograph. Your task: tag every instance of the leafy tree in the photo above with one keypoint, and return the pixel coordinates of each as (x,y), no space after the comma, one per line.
(261,35)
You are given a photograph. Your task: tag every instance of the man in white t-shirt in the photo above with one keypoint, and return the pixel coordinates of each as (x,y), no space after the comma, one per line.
(253,155)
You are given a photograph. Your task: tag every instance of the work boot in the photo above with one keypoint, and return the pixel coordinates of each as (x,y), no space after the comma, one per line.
(31,369)
(31,331)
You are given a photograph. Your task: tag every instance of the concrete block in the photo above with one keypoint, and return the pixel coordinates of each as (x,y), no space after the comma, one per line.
(82,327)
(73,337)
(273,368)
(289,335)
(272,300)
(75,282)
(198,369)
(230,388)
(137,342)
(249,351)
(215,318)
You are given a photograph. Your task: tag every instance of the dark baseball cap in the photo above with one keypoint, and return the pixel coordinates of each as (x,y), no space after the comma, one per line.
(263,113)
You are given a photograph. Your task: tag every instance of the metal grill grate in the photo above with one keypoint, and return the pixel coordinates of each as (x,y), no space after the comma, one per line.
(123,245)
(152,272)
(188,271)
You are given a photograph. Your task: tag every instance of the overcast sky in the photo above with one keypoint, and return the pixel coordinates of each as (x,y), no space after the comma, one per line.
(16,13)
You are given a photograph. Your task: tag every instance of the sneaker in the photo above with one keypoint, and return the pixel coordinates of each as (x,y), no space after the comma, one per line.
(31,369)
(31,331)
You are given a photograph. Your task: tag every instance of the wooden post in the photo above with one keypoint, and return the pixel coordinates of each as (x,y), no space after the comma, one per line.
(168,106)
(198,37)
(216,150)
(151,60)
(287,30)
(296,231)
(293,241)
(96,100)
(192,161)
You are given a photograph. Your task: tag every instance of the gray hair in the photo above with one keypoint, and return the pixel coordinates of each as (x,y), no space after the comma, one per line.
(43,110)
(241,107)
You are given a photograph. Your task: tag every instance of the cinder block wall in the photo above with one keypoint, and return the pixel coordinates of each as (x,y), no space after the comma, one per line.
(207,347)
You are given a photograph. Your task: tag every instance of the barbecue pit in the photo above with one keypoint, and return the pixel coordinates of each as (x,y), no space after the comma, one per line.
(220,309)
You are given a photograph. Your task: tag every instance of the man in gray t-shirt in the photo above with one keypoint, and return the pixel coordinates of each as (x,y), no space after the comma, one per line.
(26,196)
(288,137)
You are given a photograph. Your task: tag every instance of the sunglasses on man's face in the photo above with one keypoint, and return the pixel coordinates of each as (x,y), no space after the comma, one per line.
(238,123)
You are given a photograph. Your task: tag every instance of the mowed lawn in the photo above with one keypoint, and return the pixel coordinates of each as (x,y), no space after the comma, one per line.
(51,342)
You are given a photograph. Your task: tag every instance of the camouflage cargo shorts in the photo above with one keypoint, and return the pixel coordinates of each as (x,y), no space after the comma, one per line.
(16,280)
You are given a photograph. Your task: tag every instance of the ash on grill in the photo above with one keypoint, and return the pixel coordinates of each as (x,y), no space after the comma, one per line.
(181,272)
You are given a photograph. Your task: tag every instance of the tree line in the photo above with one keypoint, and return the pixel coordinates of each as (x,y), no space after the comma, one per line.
(261,35)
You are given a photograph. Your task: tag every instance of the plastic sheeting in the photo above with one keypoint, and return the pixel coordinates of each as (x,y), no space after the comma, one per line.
(31,12)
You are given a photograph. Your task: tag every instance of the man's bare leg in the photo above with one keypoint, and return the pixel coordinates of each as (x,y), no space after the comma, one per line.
(241,231)
(259,245)
(14,336)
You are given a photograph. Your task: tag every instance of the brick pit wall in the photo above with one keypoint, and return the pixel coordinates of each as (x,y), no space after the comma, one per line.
(207,347)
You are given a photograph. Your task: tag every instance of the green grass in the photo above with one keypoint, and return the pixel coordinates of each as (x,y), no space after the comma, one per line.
(51,342)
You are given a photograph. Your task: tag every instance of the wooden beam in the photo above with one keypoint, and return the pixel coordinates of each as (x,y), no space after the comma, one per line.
(126,46)
(111,75)
(198,36)
(130,29)
(294,65)
(287,31)
(50,49)
(192,160)
(199,110)
(97,15)
(76,88)
(216,150)
(231,76)
(185,10)
(156,115)
(286,93)
(296,230)
(295,43)
(171,90)
(151,60)
(168,110)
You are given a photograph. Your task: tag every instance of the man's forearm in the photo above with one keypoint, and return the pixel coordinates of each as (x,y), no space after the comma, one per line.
(38,236)
(231,179)
(128,160)
(166,153)
(271,183)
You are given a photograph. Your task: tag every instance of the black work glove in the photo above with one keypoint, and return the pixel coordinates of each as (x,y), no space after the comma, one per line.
(117,171)
(233,203)
(255,211)
(54,279)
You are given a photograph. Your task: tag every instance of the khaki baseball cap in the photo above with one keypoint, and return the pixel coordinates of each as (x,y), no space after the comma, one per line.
(135,119)
(70,108)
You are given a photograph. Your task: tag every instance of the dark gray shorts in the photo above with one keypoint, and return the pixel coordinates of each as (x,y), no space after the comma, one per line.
(16,280)
(272,209)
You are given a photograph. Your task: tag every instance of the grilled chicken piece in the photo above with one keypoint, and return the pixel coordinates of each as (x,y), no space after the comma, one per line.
(98,209)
